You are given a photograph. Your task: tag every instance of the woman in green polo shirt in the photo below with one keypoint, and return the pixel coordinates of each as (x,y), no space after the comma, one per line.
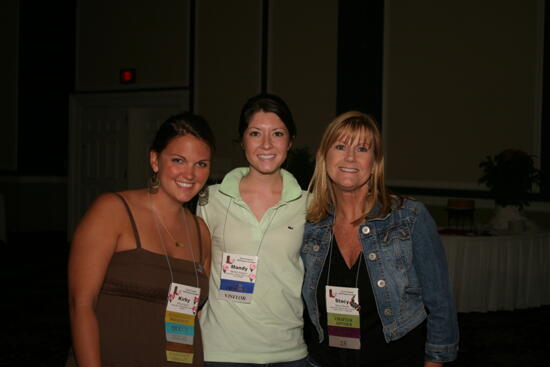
(256,217)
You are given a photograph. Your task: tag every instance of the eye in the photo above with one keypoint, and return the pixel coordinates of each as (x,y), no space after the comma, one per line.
(254,133)
(278,133)
(202,164)
(177,160)
(340,147)
(362,148)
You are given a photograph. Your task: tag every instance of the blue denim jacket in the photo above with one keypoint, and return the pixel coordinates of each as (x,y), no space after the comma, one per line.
(408,271)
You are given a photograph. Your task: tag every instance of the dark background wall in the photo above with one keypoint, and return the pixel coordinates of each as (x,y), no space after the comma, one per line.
(425,71)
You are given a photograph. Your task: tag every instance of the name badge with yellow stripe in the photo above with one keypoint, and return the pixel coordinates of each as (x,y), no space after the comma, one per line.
(179,322)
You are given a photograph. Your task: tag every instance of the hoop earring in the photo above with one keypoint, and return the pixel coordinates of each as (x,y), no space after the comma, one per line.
(154,183)
(203,196)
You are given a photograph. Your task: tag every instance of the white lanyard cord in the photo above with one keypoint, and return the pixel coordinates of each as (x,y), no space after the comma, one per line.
(330,261)
(156,220)
(263,233)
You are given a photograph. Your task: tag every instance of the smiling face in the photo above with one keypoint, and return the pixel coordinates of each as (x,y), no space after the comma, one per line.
(350,162)
(183,167)
(266,142)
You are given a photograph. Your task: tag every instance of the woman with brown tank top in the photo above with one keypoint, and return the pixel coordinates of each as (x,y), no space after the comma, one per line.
(140,262)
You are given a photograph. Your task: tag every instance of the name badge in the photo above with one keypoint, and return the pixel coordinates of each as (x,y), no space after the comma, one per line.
(238,277)
(179,322)
(343,317)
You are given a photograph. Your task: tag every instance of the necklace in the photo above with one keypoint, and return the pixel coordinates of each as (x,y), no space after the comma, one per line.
(178,244)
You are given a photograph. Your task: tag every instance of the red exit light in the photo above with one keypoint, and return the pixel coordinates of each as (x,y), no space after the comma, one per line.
(127,76)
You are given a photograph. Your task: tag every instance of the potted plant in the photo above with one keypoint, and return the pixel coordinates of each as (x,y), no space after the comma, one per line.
(510,177)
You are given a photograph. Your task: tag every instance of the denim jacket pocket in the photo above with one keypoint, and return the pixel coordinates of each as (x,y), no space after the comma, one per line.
(396,241)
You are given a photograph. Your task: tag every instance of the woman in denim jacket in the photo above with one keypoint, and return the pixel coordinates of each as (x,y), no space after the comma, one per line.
(376,282)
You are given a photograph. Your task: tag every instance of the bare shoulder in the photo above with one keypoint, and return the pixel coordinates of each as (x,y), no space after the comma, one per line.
(106,212)
(106,206)
(203,227)
(202,224)
(136,199)
(206,244)
(205,234)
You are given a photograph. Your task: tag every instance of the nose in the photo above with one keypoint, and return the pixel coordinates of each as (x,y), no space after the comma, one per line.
(266,141)
(350,155)
(188,172)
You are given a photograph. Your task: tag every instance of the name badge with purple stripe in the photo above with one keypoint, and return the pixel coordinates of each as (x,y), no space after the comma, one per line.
(343,317)
(238,277)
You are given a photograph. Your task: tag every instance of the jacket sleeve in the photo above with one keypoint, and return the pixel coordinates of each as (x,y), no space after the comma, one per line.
(430,264)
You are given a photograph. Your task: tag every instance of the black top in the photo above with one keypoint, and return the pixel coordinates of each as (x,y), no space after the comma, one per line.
(406,351)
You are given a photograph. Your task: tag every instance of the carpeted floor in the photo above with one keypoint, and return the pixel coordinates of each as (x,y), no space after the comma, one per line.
(505,338)
(35,329)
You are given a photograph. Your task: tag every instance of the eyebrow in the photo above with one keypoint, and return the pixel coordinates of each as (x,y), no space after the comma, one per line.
(277,128)
(185,157)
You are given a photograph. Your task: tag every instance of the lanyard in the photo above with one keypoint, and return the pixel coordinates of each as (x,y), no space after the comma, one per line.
(156,220)
(343,311)
(330,262)
(263,233)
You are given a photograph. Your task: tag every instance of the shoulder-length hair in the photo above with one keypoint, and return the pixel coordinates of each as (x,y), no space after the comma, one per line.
(345,127)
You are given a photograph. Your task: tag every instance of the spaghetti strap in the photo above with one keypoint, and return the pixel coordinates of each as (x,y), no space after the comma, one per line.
(199,235)
(132,221)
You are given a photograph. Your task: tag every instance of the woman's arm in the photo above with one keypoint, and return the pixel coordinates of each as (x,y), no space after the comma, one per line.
(430,264)
(93,245)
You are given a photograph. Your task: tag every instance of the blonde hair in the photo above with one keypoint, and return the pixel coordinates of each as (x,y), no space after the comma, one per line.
(345,127)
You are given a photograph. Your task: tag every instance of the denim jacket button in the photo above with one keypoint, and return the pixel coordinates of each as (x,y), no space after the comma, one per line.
(372,256)
(316,248)
(365,230)
(387,312)
(381,283)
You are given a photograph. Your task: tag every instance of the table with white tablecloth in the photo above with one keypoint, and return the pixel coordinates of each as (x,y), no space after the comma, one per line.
(490,273)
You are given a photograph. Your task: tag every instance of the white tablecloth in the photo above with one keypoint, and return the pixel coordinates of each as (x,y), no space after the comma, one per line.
(499,272)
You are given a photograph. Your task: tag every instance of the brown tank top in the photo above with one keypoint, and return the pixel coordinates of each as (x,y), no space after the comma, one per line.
(132,304)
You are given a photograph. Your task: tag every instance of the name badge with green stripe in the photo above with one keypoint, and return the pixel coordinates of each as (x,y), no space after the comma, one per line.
(343,317)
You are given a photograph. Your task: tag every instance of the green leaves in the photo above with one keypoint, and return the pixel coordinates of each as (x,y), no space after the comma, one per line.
(510,176)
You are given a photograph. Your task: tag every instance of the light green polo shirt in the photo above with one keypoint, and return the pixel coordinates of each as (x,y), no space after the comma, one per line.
(269,329)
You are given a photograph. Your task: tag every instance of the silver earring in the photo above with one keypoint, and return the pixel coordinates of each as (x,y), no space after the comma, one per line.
(203,196)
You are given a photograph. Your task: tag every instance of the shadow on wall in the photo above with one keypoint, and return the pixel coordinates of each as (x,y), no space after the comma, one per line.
(301,163)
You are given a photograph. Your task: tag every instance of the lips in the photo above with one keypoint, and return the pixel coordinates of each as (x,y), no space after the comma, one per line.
(348,170)
(266,156)
(184,185)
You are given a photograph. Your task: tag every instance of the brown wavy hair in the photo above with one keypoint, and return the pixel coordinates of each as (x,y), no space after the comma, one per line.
(346,127)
